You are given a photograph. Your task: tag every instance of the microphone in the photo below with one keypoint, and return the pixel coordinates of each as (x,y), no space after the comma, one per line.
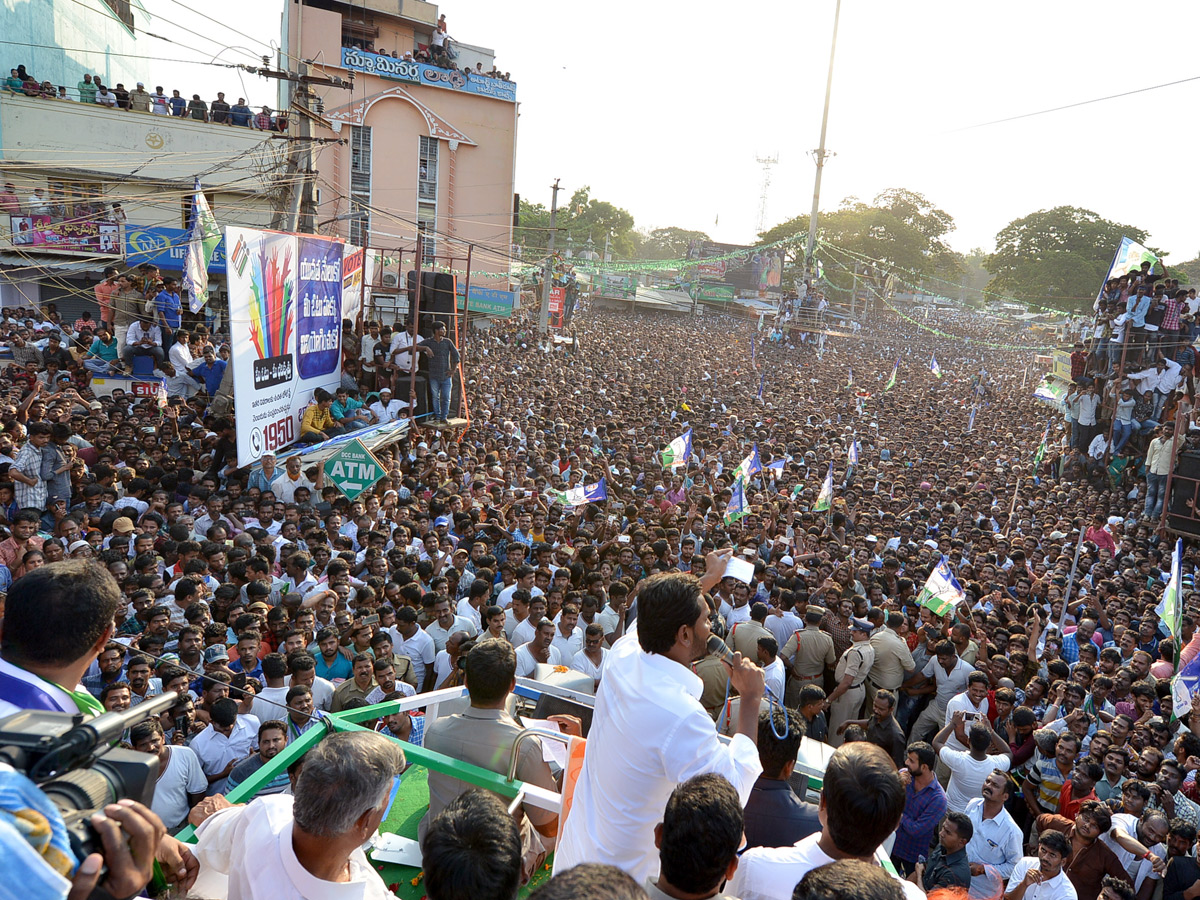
(719,647)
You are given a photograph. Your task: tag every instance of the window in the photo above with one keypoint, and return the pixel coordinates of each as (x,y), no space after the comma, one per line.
(360,184)
(427,194)
(185,205)
(122,10)
(75,200)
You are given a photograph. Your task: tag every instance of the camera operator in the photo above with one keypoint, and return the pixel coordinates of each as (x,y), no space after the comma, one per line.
(57,620)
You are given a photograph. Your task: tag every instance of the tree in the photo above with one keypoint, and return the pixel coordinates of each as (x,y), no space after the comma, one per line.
(580,217)
(669,243)
(899,229)
(1056,257)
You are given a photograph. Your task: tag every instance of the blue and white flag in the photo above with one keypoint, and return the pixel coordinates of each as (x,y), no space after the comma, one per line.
(762,379)
(678,452)
(738,507)
(934,367)
(852,453)
(751,465)
(582,495)
(777,466)
(849,377)
(1184,686)
(971,421)
(202,244)
(753,352)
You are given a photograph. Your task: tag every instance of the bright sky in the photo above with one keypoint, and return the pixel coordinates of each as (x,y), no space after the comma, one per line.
(662,107)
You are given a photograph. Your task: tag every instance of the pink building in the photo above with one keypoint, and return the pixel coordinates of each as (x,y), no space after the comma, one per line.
(427,144)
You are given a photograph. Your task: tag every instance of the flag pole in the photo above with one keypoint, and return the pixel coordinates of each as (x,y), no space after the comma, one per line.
(1071,579)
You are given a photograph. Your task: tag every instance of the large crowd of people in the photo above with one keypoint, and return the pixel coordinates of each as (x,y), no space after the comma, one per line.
(1025,742)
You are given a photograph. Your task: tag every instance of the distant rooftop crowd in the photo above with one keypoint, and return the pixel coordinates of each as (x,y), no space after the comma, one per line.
(438,52)
(92,90)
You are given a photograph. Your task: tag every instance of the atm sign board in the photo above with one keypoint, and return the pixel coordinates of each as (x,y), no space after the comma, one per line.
(353,469)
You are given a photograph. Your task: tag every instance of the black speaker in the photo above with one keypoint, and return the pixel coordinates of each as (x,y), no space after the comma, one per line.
(1183,506)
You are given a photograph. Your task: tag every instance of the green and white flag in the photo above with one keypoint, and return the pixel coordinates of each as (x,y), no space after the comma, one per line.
(678,452)
(942,592)
(1170,608)
(891,382)
(1041,450)
(202,244)
(825,498)
(751,465)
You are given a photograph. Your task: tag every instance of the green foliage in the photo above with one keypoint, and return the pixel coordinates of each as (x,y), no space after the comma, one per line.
(580,217)
(669,243)
(899,228)
(1056,257)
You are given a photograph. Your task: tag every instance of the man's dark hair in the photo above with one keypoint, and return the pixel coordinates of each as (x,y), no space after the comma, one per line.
(924,753)
(1120,888)
(272,725)
(1056,841)
(274,666)
(863,796)
(775,753)
(666,603)
(491,666)
(224,712)
(979,737)
(590,881)
(58,612)
(962,824)
(848,879)
(701,832)
(472,849)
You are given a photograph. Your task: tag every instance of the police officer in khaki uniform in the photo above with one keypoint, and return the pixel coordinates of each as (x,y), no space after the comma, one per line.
(714,677)
(846,701)
(892,658)
(807,653)
(744,636)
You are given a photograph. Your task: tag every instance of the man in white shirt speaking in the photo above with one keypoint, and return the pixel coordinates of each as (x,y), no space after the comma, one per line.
(650,733)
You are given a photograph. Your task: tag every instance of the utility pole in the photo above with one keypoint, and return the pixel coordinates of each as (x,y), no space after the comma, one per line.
(547,270)
(300,212)
(812,219)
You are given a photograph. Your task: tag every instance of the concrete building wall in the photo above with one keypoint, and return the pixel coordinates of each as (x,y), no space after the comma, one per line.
(60,40)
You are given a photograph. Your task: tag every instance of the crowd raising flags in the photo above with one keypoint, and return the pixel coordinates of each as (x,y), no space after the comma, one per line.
(942,592)
(678,452)
(751,465)
(891,382)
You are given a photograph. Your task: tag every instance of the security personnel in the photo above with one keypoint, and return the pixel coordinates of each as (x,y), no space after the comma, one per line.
(744,636)
(846,701)
(808,653)
(892,658)
(715,678)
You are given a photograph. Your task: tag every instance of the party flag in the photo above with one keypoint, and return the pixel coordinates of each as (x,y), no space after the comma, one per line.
(738,507)
(581,495)
(849,377)
(1041,450)
(971,421)
(934,367)
(1170,608)
(776,467)
(761,381)
(891,382)
(678,452)
(202,244)
(825,497)
(753,352)
(941,592)
(751,465)
(852,453)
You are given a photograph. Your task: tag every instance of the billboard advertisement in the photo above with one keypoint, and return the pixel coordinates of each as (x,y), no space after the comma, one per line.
(285,297)
(59,235)
(753,272)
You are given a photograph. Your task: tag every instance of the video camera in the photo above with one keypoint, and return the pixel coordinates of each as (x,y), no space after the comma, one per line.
(74,762)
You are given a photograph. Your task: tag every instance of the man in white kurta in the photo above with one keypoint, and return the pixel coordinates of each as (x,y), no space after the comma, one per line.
(649,733)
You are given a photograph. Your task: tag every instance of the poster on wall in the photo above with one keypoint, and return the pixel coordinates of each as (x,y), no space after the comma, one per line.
(353,259)
(285,296)
(752,271)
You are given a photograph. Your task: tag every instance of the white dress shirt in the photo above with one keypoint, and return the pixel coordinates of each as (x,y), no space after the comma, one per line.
(440,635)
(649,733)
(775,673)
(1057,888)
(772,873)
(996,841)
(217,751)
(251,847)
(568,646)
(419,648)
